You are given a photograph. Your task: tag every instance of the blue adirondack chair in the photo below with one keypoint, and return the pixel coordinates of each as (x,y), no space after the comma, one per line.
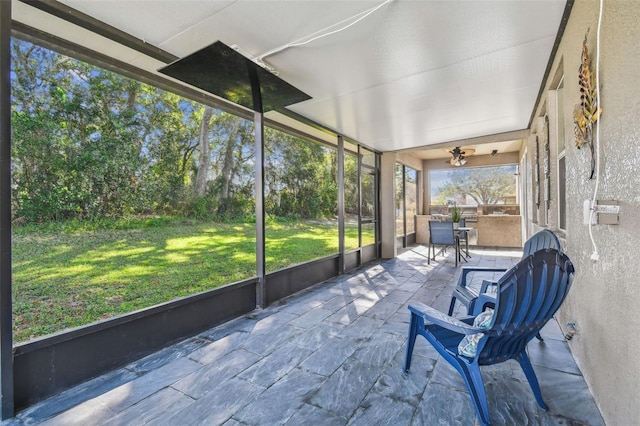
(463,294)
(527,296)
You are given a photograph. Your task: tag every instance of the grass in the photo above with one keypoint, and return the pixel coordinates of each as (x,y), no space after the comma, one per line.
(67,276)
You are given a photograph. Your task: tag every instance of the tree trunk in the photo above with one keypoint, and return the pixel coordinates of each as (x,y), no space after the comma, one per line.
(205,156)
(227,166)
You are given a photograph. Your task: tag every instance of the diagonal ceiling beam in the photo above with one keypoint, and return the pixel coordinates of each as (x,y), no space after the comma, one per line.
(87,22)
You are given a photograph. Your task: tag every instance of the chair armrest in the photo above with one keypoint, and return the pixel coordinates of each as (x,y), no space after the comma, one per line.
(483,300)
(434,316)
(462,281)
(485,285)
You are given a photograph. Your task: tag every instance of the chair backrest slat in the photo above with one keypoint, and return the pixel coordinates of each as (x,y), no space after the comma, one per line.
(541,240)
(524,297)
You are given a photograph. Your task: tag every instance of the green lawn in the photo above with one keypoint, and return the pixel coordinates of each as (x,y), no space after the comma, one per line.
(67,279)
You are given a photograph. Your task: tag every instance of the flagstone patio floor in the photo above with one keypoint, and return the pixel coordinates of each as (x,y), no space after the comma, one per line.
(330,355)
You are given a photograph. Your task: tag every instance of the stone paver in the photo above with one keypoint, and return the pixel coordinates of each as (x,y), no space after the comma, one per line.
(331,355)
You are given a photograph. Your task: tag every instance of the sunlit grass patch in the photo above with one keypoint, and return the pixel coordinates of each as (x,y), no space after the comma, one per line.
(70,275)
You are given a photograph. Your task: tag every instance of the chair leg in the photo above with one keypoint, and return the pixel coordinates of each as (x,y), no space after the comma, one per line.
(457,252)
(471,306)
(452,305)
(523,359)
(411,341)
(475,386)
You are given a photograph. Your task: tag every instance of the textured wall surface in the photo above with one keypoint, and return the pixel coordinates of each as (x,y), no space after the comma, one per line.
(499,231)
(490,231)
(604,299)
(422,229)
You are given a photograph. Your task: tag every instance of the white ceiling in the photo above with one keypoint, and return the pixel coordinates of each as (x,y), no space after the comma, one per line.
(410,74)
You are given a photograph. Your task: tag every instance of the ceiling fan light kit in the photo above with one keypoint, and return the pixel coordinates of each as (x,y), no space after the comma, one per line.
(458,155)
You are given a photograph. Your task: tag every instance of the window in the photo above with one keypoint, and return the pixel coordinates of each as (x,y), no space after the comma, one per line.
(491,188)
(562,195)
(368,207)
(399,201)
(411,198)
(135,197)
(126,196)
(351,202)
(360,197)
(368,157)
(406,200)
(301,194)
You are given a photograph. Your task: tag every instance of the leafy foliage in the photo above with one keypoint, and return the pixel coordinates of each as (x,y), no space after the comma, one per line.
(128,196)
(456,213)
(90,144)
(485,185)
(300,178)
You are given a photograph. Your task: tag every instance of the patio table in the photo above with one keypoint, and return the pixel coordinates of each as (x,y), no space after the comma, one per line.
(463,255)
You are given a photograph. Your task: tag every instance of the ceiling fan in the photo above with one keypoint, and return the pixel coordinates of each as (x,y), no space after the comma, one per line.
(458,155)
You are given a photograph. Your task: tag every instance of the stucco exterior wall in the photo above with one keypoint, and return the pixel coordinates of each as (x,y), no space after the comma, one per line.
(489,231)
(499,231)
(409,159)
(605,295)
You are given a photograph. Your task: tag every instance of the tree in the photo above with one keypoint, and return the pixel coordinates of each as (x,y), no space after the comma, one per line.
(36,166)
(233,157)
(205,158)
(351,190)
(90,144)
(77,138)
(486,185)
(300,177)
(170,146)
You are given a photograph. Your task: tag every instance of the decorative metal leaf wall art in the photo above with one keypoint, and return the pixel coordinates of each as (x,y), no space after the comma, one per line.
(587,112)
(536,174)
(546,164)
